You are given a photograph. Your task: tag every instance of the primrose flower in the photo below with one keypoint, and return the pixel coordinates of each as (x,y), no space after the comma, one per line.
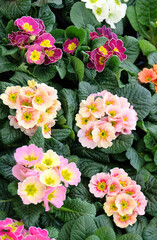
(27,92)
(114,187)
(70,174)
(45,40)
(117,48)
(102,12)
(132,190)
(124,180)
(55,196)
(147,75)
(31,190)
(103,134)
(8,235)
(12,226)
(27,117)
(125,220)
(70,45)
(52,55)
(46,129)
(28,25)
(86,137)
(41,101)
(21,172)
(24,102)
(115,172)
(19,39)
(110,99)
(125,204)
(50,178)
(141,203)
(114,112)
(13,122)
(43,119)
(98,184)
(35,54)
(28,155)
(83,121)
(91,3)
(92,106)
(110,206)
(9,97)
(129,117)
(50,159)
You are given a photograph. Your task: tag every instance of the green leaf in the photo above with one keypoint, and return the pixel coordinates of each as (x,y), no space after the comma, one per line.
(105,233)
(137,96)
(149,141)
(38,138)
(21,78)
(52,232)
(3,215)
(81,16)
(9,135)
(2,30)
(142,177)
(14,9)
(74,208)
(5,198)
(103,220)
(61,68)
(6,65)
(58,34)
(45,73)
(98,42)
(135,159)
(129,67)
(78,66)
(152,58)
(4,110)
(69,102)
(56,146)
(152,129)
(81,192)
(132,48)
(153,110)
(74,32)
(5,52)
(85,89)
(120,144)
(113,63)
(146,47)
(139,226)
(150,232)
(82,228)
(48,17)
(7,162)
(61,134)
(66,231)
(11,27)
(40,3)
(93,237)
(12,188)
(146,11)
(130,236)
(28,213)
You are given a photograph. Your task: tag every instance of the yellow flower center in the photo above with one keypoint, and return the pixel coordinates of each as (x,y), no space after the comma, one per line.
(117,2)
(6,237)
(13,97)
(31,158)
(85,121)
(89,134)
(138,204)
(39,100)
(112,187)
(112,113)
(124,218)
(31,189)
(40,167)
(98,12)
(116,49)
(51,196)
(113,206)
(25,103)
(124,204)
(109,102)
(123,183)
(50,53)
(103,50)
(101,60)
(148,79)
(101,186)
(27,27)
(113,123)
(93,1)
(13,227)
(45,43)
(46,128)
(92,107)
(27,116)
(103,135)
(40,120)
(125,119)
(49,181)
(66,174)
(129,192)
(72,46)
(35,55)
(48,161)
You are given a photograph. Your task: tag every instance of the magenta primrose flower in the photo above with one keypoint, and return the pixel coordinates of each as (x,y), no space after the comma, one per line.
(35,54)
(19,39)
(52,55)
(118,49)
(70,45)
(45,40)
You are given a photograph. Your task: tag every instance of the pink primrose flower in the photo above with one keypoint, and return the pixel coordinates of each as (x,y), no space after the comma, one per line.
(115,172)
(41,25)
(70,45)
(53,55)
(132,190)
(110,99)
(117,48)
(13,122)
(45,40)
(110,206)
(104,51)
(94,35)
(21,172)
(30,132)
(35,54)
(106,32)
(55,196)
(9,97)
(114,187)
(124,102)
(124,180)
(8,236)
(117,124)
(31,190)
(129,117)
(27,118)
(98,184)
(114,112)
(28,155)
(28,25)
(37,234)
(141,203)
(125,204)
(125,220)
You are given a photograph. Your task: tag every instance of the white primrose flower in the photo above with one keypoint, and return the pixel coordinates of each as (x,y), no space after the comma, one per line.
(101,13)
(117,11)
(91,3)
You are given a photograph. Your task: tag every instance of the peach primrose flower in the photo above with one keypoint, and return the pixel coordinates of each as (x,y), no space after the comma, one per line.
(113,112)
(31,190)
(124,180)
(98,184)
(50,178)
(24,102)
(41,101)
(28,155)
(125,220)
(46,129)
(81,121)
(110,99)
(110,206)
(141,203)
(124,102)
(115,172)
(35,54)
(146,75)
(70,174)
(27,117)
(86,137)
(103,134)
(9,97)
(70,45)
(125,204)
(132,190)
(114,187)
(50,159)
(27,92)
(51,91)
(92,106)
(53,109)
(43,119)
(55,196)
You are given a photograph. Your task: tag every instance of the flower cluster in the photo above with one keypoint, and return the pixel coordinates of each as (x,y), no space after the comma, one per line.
(124,199)
(14,230)
(113,46)
(33,37)
(112,11)
(149,75)
(102,117)
(41,176)
(36,105)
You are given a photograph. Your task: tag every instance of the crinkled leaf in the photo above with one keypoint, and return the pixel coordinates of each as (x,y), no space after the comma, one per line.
(7,162)
(38,138)
(136,160)
(130,236)
(105,233)
(132,48)
(139,226)
(146,47)
(85,89)
(56,146)
(150,232)
(45,73)
(48,17)
(66,231)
